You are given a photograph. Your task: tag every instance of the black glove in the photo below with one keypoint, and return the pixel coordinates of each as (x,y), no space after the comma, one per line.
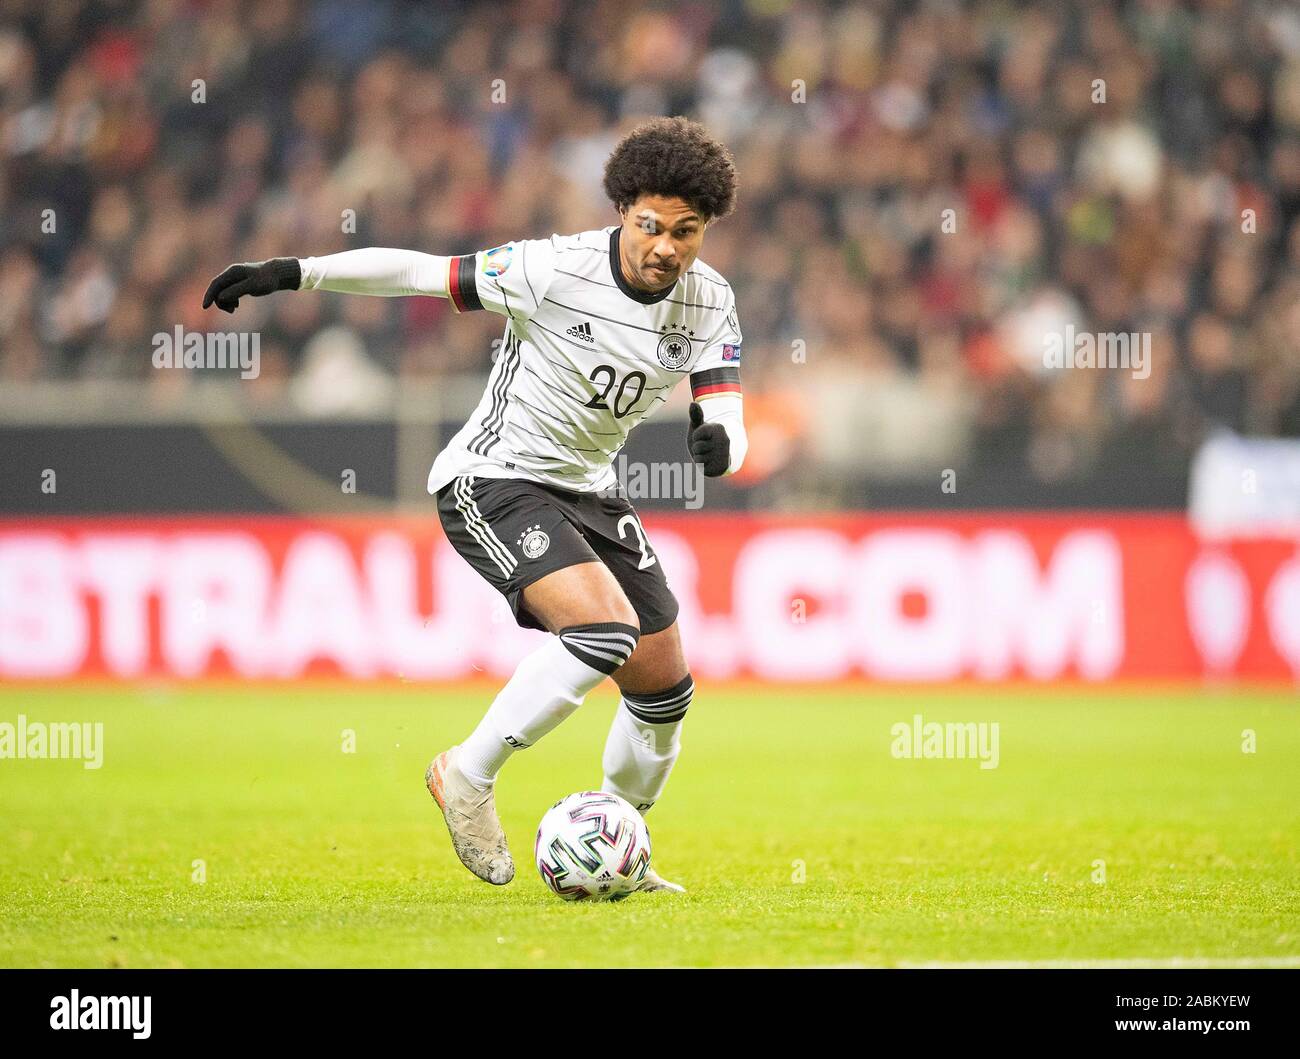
(708,443)
(255,278)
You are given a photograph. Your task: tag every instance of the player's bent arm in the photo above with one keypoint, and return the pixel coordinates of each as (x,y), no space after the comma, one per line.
(716,436)
(727,410)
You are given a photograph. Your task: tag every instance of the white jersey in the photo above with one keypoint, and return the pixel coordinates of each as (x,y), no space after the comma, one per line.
(585,357)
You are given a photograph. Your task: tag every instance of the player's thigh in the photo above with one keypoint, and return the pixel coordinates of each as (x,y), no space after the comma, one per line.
(530,548)
(578,595)
(657,663)
(613,529)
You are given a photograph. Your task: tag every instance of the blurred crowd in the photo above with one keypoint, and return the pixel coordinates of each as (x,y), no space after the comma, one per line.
(926,187)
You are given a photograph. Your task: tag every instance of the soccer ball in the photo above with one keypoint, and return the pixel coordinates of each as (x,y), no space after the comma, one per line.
(592,846)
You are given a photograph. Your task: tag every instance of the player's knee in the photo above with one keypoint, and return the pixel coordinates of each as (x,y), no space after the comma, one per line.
(603,645)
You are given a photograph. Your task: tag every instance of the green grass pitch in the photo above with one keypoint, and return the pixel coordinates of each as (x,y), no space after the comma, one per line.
(802,840)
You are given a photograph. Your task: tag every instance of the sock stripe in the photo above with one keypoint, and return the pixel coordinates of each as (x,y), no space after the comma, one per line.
(660,699)
(668,707)
(662,707)
(600,661)
(684,687)
(602,645)
(657,716)
(613,659)
(665,705)
(622,644)
(625,636)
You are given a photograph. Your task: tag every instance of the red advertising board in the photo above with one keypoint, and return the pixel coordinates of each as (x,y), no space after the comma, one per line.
(902,598)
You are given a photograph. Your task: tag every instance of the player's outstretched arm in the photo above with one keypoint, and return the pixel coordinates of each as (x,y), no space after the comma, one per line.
(379,271)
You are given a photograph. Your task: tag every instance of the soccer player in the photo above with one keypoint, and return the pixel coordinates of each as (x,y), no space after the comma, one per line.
(600,326)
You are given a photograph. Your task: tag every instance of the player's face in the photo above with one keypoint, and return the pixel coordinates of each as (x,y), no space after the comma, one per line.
(661,239)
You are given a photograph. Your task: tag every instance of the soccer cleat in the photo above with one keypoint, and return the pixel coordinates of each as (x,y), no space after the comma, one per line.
(656,883)
(471,816)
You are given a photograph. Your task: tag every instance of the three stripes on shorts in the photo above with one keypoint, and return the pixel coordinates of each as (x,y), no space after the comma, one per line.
(603,645)
(478,528)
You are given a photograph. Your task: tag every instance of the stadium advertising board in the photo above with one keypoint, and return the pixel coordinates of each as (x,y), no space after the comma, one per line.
(906,598)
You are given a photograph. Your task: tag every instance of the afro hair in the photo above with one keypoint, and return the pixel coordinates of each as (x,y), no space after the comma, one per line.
(674,157)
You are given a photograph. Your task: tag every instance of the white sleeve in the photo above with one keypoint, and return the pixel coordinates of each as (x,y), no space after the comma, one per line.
(715,383)
(377,270)
(728,411)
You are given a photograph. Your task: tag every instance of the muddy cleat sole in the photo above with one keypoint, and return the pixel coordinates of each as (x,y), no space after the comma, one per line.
(471,818)
(656,883)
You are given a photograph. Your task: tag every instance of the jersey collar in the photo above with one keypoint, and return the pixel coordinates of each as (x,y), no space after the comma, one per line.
(644,297)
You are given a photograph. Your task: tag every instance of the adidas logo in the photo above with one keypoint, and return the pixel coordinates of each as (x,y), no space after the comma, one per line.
(582,331)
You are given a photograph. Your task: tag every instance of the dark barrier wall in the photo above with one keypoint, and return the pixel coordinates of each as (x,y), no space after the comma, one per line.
(249,467)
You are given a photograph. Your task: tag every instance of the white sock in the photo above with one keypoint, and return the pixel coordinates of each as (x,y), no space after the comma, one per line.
(643,744)
(546,687)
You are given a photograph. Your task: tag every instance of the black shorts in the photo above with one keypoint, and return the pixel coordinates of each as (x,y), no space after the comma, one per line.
(514,532)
